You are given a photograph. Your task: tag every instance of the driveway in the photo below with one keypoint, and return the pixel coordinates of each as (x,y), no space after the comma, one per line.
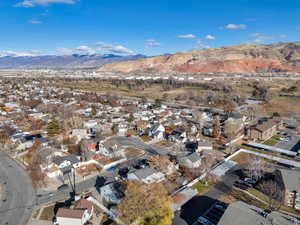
(18,193)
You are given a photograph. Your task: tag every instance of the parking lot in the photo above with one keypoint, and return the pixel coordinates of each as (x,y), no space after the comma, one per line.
(213,214)
(289,142)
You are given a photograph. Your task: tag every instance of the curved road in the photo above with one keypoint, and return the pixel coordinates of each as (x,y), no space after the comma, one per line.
(18,197)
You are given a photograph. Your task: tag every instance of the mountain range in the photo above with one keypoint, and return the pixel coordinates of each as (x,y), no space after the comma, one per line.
(74,61)
(247,58)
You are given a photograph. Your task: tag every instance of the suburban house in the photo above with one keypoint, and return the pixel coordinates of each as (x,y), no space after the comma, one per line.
(240,213)
(92,144)
(264,130)
(205,146)
(66,163)
(157,131)
(80,214)
(28,140)
(190,161)
(177,135)
(289,180)
(146,175)
(112,192)
(79,134)
(110,149)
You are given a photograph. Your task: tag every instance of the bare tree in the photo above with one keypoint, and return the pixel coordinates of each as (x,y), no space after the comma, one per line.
(256,167)
(161,163)
(216,127)
(73,122)
(231,129)
(207,161)
(274,193)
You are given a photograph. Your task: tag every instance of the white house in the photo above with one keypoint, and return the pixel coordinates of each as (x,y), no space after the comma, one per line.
(79,215)
(146,175)
(79,134)
(204,146)
(191,161)
(157,131)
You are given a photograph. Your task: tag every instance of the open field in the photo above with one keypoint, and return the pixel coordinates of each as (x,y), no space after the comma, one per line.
(281,101)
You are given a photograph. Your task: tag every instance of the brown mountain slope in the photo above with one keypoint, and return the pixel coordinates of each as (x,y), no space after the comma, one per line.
(283,57)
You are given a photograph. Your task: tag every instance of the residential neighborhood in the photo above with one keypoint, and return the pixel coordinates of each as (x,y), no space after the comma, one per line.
(87,153)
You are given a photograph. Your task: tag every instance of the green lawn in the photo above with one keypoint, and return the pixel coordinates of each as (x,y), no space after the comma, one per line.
(203,186)
(244,197)
(273,140)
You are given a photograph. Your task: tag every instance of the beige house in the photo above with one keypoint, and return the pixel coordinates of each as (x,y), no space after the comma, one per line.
(264,130)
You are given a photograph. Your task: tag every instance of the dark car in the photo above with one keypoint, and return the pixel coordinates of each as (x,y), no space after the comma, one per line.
(63,187)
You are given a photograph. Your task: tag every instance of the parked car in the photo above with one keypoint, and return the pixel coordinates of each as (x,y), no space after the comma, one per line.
(63,187)
(241,185)
(250,181)
(203,221)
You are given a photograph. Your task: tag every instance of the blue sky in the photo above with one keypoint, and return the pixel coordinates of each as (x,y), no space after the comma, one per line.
(34,27)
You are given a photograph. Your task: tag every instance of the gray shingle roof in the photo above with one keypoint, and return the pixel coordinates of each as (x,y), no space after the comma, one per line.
(72,158)
(240,213)
(144,173)
(291,179)
(194,157)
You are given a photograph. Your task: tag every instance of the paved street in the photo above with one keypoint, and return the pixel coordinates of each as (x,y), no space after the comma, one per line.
(19,196)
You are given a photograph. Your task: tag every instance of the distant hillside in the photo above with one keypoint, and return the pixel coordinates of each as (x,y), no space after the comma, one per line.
(62,62)
(252,58)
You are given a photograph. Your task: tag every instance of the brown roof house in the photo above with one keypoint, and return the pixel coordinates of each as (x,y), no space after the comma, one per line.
(264,130)
(80,214)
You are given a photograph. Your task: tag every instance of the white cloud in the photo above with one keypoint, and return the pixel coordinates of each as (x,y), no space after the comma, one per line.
(283,36)
(17,54)
(35,21)
(65,51)
(260,38)
(33,3)
(100,49)
(210,37)
(200,45)
(201,41)
(255,35)
(83,49)
(119,49)
(151,43)
(186,36)
(236,26)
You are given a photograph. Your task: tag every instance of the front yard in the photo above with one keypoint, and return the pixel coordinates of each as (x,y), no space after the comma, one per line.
(203,186)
